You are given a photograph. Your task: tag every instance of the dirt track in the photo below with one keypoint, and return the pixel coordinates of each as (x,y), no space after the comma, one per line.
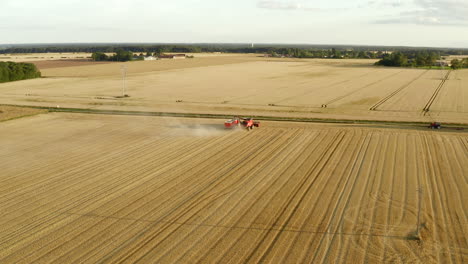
(95,188)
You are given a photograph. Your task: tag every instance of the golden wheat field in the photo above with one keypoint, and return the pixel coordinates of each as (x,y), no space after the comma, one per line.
(106,189)
(249,84)
(101,188)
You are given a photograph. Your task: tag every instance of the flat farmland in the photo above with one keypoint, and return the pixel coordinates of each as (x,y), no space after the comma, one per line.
(97,188)
(249,84)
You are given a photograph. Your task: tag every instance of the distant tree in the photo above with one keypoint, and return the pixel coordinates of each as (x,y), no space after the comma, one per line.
(11,71)
(99,56)
(465,63)
(396,59)
(122,55)
(362,55)
(455,64)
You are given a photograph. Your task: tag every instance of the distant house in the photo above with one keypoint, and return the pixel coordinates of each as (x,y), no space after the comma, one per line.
(172,56)
(441,63)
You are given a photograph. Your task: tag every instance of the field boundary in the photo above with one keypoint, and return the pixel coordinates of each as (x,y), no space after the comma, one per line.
(459,126)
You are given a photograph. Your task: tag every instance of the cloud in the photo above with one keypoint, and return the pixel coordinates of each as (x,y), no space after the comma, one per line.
(384,3)
(293,5)
(432,12)
(282,5)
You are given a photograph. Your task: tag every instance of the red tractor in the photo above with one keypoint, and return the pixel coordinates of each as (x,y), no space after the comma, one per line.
(247,123)
(435,125)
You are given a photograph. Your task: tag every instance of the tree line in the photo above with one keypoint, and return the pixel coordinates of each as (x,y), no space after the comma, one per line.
(410,59)
(303,51)
(120,55)
(12,71)
(324,53)
(458,64)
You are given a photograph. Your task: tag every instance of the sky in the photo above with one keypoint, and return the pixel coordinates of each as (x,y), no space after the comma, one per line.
(434,23)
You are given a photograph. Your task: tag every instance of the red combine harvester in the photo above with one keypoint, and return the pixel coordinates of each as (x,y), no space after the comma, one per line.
(247,123)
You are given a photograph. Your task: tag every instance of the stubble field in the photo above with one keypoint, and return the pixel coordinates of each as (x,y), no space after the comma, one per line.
(97,188)
(250,84)
(108,188)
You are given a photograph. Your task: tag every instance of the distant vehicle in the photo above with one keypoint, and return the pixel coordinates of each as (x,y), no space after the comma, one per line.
(434,125)
(247,123)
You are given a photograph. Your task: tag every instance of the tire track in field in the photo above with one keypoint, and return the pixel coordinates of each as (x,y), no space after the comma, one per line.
(324,87)
(126,217)
(187,202)
(272,165)
(464,159)
(292,245)
(130,176)
(279,189)
(433,186)
(389,210)
(52,166)
(296,193)
(35,149)
(238,164)
(436,92)
(54,215)
(367,174)
(210,198)
(131,149)
(82,139)
(68,168)
(442,156)
(445,195)
(90,169)
(359,89)
(282,230)
(406,209)
(386,98)
(93,195)
(290,181)
(356,168)
(369,184)
(426,168)
(52,194)
(229,194)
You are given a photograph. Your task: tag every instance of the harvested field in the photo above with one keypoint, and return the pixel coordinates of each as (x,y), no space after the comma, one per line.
(47,64)
(32,57)
(453,96)
(11,112)
(95,188)
(251,85)
(416,96)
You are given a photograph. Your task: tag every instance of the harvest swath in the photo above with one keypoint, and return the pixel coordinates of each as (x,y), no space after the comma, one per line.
(95,188)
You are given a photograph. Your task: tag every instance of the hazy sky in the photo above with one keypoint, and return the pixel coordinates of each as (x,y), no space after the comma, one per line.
(371,22)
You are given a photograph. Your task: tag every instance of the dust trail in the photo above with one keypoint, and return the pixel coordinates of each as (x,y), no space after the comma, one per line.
(192,128)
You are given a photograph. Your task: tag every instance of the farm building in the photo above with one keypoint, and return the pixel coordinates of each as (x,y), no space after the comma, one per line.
(150,58)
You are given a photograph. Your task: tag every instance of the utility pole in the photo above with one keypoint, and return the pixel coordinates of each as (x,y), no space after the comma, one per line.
(123,69)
